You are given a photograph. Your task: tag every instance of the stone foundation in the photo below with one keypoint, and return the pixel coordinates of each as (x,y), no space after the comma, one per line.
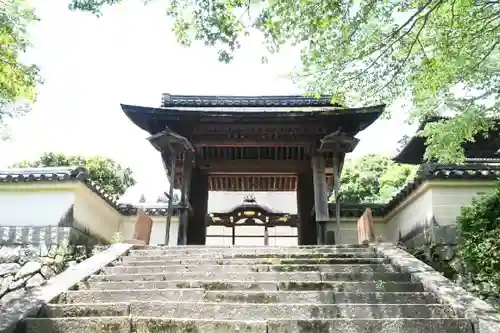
(50,235)
(29,266)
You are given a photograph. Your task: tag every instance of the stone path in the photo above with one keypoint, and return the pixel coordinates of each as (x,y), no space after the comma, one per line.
(254,290)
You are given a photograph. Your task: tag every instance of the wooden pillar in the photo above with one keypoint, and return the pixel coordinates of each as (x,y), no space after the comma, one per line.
(185,196)
(320,197)
(338,163)
(171,196)
(196,227)
(305,203)
(233,235)
(266,236)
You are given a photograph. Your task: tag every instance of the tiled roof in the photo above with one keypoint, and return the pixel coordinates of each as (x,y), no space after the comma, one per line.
(43,174)
(249,202)
(473,171)
(130,210)
(434,171)
(356,209)
(484,146)
(75,173)
(169,100)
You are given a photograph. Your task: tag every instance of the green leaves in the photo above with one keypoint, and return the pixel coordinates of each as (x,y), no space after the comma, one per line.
(104,171)
(479,244)
(432,52)
(17,80)
(374,179)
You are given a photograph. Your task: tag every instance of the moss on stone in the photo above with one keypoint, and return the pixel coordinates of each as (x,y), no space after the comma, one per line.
(110,328)
(163,326)
(216,285)
(183,285)
(313,326)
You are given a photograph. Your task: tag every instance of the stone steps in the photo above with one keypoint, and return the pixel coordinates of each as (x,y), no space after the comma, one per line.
(160,268)
(246,311)
(243,254)
(253,290)
(226,260)
(255,276)
(264,285)
(157,325)
(320,297)
(249,296)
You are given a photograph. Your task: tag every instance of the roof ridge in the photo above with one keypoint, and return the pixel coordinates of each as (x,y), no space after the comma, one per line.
(249,101)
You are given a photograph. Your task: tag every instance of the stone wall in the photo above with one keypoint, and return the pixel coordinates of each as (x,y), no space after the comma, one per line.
(36,235)
(27,266)
(434,244)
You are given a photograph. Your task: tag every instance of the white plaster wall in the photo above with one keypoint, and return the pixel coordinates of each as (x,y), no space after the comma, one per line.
(406,217)
(349,229)
(34,207)
(441,200)
(447,201)
(127,229)
(95,214)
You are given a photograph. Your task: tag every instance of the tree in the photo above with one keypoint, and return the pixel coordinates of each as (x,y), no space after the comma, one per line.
(17,80)
(426,51)
(103,171)
(373,179)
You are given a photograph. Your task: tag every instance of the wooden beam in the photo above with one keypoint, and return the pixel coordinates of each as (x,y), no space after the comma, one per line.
(251,142)
(254,166)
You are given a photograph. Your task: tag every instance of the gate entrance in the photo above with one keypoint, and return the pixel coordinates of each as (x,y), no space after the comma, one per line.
(251,223)
(250,144)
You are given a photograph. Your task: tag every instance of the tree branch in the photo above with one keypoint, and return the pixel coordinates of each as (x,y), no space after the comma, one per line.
(492,48)
(408,54)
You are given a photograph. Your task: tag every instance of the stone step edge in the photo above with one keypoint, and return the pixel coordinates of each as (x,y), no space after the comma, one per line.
(247,291)
(250,321)
(250,273)
(232,304)
(246,247)
(212,258)
(338,282)
(255,253)
(257,265)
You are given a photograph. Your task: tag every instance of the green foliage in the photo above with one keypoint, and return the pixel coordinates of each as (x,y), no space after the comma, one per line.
(373,179)
(479,244)
(378,51)
(17,80)
(104,171)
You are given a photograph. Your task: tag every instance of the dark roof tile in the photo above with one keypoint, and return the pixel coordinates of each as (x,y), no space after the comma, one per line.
(130,210)
(169,100)
(434,171)
(75,173)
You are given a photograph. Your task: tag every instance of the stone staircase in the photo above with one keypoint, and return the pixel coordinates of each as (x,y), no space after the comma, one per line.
(336,289)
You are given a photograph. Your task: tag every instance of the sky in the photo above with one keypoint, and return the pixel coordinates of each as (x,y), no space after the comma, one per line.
(129,55)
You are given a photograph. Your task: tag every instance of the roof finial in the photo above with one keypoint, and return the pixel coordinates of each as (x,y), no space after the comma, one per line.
(249,198)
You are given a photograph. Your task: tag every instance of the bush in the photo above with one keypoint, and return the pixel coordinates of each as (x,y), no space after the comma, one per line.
(478,260)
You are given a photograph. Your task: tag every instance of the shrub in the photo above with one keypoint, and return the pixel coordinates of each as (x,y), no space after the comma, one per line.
(478,259)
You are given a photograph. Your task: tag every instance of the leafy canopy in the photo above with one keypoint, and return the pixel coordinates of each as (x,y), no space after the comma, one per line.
(373,179)
(425,51)
(104,171)
(17,80)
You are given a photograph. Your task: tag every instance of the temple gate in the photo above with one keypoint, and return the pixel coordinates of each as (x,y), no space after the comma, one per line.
(249,144)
